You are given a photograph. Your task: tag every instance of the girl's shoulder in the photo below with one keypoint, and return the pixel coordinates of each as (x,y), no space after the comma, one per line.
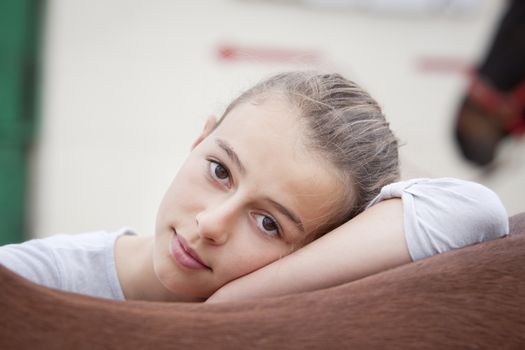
(82,241)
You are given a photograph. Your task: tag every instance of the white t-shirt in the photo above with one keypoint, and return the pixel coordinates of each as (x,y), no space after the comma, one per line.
(82,263)
(439,215)
(446,213)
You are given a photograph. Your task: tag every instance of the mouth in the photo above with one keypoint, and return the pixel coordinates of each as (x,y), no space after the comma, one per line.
(184,255)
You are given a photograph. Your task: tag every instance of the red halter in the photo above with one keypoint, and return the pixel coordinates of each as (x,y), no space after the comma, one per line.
(506,107)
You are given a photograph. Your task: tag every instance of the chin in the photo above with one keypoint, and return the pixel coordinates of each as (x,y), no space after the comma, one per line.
(180,285)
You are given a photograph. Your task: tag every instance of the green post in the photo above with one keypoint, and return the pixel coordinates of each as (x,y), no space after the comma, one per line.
(19,33)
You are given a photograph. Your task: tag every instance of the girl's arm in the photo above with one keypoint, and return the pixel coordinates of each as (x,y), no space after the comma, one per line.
(411,220)
(371,242)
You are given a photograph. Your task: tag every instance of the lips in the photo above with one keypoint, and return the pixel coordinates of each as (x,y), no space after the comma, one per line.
(184,255)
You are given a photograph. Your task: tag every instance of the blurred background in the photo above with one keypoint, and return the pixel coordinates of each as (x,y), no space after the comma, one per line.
(100,100)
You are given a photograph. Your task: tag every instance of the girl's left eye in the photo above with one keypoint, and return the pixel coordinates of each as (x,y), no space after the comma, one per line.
(267,224)
(219,172)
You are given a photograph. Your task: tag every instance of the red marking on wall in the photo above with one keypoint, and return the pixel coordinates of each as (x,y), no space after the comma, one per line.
(445,65)
(267,54)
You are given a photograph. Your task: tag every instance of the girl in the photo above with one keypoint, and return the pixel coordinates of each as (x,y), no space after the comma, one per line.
(293,158)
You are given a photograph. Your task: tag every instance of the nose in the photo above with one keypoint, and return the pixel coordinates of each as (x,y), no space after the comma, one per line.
(215,223)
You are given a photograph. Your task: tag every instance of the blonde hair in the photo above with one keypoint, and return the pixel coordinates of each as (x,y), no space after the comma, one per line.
(346,125)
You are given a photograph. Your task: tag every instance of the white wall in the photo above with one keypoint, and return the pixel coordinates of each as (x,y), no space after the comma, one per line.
(129,83)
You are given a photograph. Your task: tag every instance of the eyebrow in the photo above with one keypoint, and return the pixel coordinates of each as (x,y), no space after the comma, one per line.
(231,154)
(235,159)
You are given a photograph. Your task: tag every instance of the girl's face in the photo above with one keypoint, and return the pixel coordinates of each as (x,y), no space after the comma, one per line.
(248,194)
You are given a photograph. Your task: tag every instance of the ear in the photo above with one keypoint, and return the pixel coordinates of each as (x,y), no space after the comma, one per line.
(210,124)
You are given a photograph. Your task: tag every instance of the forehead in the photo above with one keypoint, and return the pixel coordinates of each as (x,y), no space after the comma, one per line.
(267,119)
(268,137)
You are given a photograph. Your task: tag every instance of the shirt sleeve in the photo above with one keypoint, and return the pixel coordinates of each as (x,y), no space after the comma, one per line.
(32,260)
(446,213)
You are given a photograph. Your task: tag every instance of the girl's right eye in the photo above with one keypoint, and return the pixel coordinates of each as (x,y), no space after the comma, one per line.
(219,173)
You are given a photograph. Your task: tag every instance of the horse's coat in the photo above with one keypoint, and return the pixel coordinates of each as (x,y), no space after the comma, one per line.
(468,298)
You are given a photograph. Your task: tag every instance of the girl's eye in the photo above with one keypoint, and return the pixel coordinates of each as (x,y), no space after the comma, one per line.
(219,172)
(268,225)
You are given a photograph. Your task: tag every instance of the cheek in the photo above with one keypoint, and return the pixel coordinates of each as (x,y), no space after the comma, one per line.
(250,256)
(186,188)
